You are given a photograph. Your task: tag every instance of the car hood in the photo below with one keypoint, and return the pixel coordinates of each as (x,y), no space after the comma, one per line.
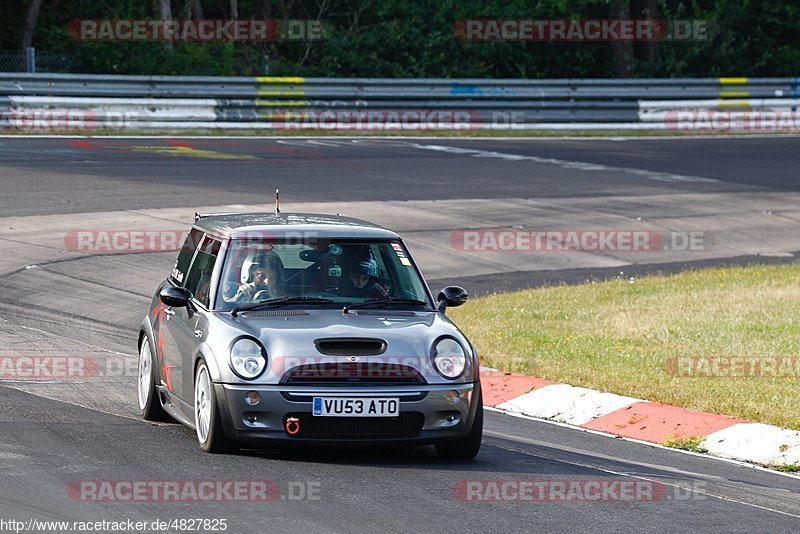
(289,337)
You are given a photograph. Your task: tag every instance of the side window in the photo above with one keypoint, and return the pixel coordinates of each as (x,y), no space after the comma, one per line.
(199,279)
(185,256)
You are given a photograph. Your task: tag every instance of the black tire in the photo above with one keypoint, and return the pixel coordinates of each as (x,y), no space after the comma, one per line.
(214,441)
(466,448)
(150,407)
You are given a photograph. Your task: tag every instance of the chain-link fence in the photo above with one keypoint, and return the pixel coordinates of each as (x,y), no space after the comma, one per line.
(14,61)
(55,62)
(35,61)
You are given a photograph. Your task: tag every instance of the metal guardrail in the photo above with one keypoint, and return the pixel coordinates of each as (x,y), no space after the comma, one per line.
(264,103)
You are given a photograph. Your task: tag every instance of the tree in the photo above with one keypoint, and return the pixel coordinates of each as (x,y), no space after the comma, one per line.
(622,51)
(31,16)
(164,8)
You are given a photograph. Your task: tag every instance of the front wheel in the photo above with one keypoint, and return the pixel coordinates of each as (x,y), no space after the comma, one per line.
(149,402)
(466,448)
(210,434)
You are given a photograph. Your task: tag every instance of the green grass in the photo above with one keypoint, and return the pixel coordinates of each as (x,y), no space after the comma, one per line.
(786,468)
(619,336)
(686,443)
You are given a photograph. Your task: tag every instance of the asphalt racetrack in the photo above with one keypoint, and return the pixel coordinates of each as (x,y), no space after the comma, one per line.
(60,440)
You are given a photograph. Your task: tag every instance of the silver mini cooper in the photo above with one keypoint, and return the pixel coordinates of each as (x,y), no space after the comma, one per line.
(300,328)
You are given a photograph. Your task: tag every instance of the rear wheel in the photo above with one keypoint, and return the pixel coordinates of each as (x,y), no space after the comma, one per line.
(149,402)
(466,448)
(210,434)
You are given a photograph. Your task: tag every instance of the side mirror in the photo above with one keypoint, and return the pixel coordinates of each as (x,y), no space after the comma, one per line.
(451,296)
(176,297)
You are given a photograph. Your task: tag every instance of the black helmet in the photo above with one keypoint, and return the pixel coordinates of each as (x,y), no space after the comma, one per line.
(367,266)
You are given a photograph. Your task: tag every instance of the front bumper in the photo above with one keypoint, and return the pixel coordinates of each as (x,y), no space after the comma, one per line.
(426,415)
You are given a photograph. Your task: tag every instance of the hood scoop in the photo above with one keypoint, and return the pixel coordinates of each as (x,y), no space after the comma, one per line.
(275,313)
(350,346)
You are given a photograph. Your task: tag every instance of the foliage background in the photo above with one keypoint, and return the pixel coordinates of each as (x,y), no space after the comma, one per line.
(414,38)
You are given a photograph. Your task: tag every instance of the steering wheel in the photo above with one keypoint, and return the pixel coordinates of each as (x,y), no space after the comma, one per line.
(263,294)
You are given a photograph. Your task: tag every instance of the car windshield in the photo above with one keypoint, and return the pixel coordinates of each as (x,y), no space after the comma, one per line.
(344,271)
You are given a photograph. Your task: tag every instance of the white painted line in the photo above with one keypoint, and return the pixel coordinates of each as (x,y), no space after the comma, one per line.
(568,404)
(565,164)
(631,475)
(324,143)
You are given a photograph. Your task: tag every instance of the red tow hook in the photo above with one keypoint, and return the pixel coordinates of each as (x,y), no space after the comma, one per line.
(292,426)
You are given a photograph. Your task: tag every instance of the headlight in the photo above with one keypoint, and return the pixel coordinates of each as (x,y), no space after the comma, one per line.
(449,358)
(247,358)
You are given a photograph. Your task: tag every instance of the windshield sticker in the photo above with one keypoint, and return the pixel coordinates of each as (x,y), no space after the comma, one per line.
(406,262)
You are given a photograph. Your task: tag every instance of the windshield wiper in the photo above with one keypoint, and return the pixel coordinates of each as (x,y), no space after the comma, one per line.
(277,302)
(382,303)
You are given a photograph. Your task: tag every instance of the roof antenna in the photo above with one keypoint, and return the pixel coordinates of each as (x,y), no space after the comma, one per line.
(277,201)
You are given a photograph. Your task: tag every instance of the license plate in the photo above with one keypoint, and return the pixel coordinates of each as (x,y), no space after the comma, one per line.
(356,407)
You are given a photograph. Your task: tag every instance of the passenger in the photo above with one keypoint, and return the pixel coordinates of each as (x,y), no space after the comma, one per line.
(362,280)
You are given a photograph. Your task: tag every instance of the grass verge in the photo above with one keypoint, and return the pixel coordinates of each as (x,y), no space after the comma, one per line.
(624,336)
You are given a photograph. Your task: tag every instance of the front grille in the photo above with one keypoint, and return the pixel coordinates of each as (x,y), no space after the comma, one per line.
(406,425)
(363,373)
(295,396)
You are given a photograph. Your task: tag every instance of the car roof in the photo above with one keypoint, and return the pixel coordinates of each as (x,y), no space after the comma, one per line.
(282,225)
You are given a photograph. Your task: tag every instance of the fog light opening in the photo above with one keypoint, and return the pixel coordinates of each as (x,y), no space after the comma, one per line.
(453,397)
(252,398)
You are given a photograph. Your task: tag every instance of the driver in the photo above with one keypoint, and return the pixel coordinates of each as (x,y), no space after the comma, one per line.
(263,275)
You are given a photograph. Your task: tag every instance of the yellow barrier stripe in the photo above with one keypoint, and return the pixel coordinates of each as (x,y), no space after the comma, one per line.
(734,94)
(733,81)
(744,104)
(283,103)
(280,79)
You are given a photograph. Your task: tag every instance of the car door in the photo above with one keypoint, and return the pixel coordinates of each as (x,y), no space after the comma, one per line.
(167,347)
(182,335)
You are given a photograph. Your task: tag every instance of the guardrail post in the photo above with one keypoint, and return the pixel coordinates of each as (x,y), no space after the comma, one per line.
(30,60)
